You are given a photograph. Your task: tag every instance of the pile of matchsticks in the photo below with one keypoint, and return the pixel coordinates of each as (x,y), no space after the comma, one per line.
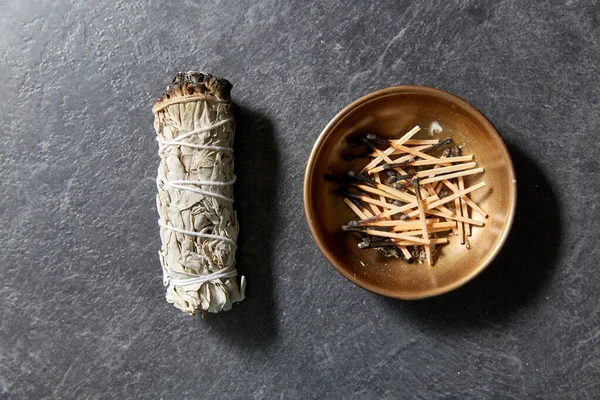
(407,200)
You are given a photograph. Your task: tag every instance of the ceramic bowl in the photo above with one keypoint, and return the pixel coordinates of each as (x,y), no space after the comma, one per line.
(390,113)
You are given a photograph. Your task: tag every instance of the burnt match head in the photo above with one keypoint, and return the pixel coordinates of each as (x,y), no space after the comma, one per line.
(360,178)
(437,145)
(365,244)
(415,182)
(374,138)
(455,151)
(396,178)
(353,224)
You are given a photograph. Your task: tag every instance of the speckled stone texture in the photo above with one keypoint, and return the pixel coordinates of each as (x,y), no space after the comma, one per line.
(82,306)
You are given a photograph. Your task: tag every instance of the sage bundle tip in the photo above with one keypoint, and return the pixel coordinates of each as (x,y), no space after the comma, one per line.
(195,129)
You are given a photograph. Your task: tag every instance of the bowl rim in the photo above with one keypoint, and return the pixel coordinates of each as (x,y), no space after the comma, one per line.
(407,89)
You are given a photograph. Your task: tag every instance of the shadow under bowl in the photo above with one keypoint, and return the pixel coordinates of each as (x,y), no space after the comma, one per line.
(390,113)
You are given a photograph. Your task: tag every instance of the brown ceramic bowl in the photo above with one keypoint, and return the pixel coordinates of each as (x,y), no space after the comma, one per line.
(390,113)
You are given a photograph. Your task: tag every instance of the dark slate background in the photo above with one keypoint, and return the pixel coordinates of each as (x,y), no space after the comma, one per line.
(81,301)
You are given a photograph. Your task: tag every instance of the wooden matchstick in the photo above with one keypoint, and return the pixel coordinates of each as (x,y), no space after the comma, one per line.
(396,222)
(371,201)
(448,198)
(441,161)
(355,209)
(405,252)
(367,212)
(383,198)
(360,212)
(388,192)
(442,208)
(414,152)
(422,218)
(393,235)
(431,241)
(461,226)
(455,217)
(430,227)
(465,209)
(401,159)
(374,190)
(453,175)
(414,142)
(466,199)
(401,209)
(374,208)
(443,170)
(390,242)
(389,151)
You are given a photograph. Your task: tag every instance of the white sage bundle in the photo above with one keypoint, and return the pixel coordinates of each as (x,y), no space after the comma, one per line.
(198,225)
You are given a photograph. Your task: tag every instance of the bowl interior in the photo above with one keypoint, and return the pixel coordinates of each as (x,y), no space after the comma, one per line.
(391,113)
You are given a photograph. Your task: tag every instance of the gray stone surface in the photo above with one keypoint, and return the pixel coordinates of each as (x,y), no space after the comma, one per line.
(81,302)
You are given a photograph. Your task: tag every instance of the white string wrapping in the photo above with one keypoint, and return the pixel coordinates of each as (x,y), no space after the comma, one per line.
(197,234)
(195,146)
(208,183)
(199,191)
(180,184)
(177,184)
(194,132)
(224,273)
